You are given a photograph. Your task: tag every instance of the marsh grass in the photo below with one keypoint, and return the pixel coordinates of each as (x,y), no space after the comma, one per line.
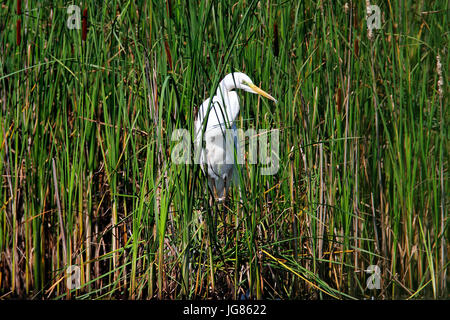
(85,132)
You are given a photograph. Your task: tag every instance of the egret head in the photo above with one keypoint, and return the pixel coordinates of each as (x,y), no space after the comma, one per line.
(239,80)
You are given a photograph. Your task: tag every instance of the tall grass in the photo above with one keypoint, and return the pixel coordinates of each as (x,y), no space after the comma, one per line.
(87,176)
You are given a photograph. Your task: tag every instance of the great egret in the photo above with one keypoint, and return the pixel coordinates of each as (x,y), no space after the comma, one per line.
(220,134)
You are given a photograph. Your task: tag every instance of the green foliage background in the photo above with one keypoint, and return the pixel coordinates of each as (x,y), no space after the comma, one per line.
(85,144)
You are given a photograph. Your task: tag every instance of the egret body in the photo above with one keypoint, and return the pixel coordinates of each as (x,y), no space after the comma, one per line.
(218,130)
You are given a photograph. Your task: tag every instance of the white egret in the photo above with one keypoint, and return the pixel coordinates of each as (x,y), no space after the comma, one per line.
(220,134)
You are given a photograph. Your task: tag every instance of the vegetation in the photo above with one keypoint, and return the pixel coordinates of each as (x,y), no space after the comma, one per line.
(86,122)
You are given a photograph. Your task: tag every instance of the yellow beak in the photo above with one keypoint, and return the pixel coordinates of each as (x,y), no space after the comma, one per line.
(262,92)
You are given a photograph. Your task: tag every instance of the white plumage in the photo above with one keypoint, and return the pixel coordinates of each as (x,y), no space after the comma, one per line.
(217,155)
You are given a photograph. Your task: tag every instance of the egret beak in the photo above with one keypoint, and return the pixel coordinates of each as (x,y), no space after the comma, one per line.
(262,92)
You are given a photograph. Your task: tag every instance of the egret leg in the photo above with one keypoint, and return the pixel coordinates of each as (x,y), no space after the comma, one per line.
(220,189)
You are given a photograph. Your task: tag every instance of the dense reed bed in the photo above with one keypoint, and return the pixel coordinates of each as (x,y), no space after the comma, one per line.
(86,123)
